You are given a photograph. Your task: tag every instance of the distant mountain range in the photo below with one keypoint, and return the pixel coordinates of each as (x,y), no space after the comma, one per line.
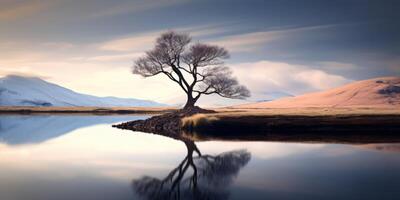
(378,92)
(33,91)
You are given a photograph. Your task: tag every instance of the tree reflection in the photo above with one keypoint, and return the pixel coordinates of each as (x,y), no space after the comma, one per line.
(196,177)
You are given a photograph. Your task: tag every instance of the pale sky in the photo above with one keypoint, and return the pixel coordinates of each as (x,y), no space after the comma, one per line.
(277,47)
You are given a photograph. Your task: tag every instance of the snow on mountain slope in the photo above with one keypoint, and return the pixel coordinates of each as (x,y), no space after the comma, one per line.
(32,91)
(377,92)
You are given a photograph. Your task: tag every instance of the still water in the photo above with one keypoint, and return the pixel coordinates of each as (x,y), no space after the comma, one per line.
(83,157)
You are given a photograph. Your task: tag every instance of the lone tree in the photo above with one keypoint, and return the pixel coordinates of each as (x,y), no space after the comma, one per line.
(198,69)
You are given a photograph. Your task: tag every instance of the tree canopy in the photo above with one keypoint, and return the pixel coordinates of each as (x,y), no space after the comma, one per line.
(197,68)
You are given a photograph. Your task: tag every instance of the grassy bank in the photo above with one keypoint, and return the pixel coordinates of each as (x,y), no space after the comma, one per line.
(310,124)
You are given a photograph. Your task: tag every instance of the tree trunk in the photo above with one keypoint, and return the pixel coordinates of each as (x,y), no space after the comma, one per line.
(190,102)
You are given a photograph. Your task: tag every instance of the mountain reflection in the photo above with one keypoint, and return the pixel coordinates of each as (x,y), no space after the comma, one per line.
(197,176)
(31,129)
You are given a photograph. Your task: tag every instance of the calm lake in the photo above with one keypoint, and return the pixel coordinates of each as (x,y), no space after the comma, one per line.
(83,157)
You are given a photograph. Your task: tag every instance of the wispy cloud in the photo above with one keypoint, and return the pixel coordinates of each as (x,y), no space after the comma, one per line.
(144,41)
(11,10)
(337,66)
(255,40)
(25,71)
(136,6)
(265,76)
(134,43)
(247,42)
(331,64)
(115,58)
(59,45)
(235,43)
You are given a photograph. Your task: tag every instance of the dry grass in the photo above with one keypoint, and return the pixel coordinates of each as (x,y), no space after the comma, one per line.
(246,114)
(197,120)
(337,125)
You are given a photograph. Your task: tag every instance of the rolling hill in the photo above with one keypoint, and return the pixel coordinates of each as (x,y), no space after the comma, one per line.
(383,92)
(33,91)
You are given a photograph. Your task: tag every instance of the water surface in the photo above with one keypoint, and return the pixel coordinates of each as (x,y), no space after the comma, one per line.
(83,157)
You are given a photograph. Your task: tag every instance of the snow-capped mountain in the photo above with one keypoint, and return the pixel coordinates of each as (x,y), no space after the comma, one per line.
(33,91)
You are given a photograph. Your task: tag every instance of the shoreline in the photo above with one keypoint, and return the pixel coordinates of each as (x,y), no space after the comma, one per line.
(290,125)
(340,129)
(294,124)
(325,129)
(341,126)
(21,110)
(331,125)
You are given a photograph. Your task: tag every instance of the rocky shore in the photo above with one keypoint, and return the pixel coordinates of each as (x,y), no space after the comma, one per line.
(168,124)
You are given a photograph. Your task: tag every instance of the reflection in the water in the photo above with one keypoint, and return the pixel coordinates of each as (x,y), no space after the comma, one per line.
(101,162)
(28,129)
(210,176)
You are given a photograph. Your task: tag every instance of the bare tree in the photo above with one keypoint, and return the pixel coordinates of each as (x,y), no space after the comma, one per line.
(198,69)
